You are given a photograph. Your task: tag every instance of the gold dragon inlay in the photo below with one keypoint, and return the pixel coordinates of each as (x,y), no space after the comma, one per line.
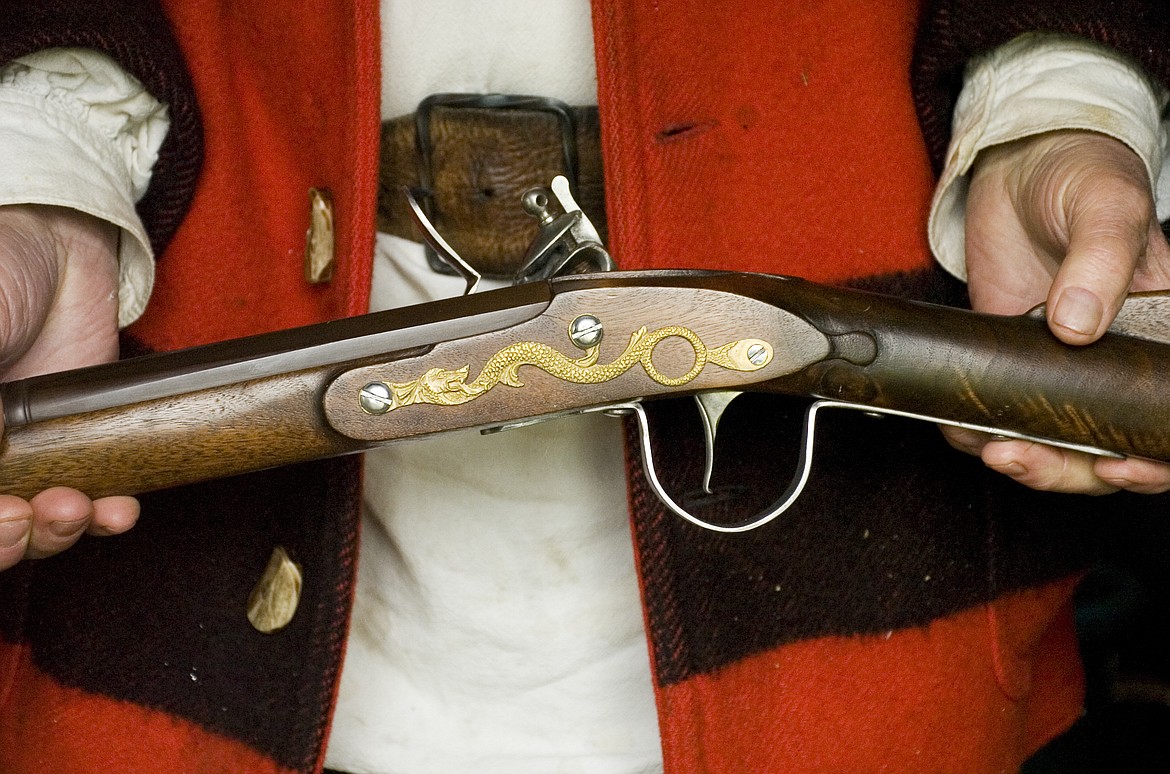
(444,387)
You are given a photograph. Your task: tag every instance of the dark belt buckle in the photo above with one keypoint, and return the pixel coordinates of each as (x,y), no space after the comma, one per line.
(424,144)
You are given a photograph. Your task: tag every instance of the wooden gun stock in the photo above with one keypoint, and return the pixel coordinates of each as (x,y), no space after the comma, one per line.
(165,442)
(180,417)
(503,356)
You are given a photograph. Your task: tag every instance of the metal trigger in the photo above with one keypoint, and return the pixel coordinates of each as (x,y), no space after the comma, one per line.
(711,408)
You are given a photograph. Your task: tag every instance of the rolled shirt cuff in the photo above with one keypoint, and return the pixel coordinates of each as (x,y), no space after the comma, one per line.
(78,132)
(1041,83)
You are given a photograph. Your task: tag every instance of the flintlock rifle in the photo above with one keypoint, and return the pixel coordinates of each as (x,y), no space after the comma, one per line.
(564,343)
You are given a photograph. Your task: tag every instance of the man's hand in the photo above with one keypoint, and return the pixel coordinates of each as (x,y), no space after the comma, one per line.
(1066,219)
(58,310)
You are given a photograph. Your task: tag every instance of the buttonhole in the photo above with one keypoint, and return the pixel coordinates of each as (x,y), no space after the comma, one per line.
(684,130)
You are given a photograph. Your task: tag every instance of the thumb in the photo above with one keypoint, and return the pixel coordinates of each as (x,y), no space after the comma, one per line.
(1108,238)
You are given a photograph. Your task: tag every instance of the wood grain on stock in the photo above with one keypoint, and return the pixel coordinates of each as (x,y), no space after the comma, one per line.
(171,441)
(1008,373)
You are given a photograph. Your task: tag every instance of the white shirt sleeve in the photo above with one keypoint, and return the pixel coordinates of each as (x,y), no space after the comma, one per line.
(79,132)
(1039,83)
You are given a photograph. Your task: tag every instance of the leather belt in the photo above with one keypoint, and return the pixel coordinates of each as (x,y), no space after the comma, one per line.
(468,159)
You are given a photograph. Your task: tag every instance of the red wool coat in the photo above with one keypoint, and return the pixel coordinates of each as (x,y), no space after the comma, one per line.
(910,615)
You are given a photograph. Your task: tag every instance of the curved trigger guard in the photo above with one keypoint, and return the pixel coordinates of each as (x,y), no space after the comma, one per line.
(780,506)
(804,460)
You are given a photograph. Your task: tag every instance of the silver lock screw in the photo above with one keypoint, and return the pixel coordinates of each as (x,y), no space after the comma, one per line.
(757,354)
(585,331)
(375,398)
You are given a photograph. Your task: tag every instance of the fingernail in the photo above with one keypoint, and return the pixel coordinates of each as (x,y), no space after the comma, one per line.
(12,533)
(1078,310)
(67,528)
